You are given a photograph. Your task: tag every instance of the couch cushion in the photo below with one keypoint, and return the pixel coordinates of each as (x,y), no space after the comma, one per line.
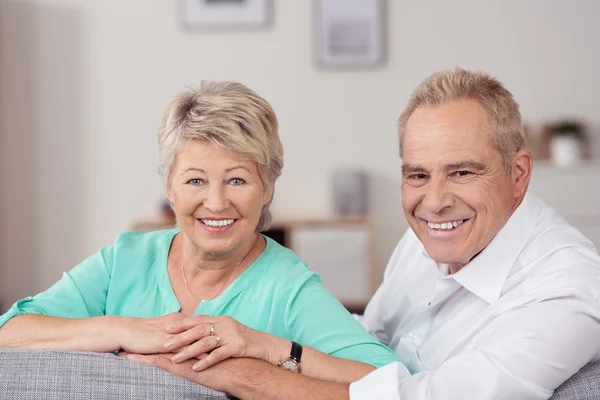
(584,385)
(58,374)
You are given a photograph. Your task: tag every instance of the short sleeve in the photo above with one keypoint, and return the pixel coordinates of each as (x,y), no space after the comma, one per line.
(317,319)
(80,293)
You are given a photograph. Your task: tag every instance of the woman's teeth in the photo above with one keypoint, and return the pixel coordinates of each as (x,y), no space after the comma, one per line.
(445,225)
(217,223)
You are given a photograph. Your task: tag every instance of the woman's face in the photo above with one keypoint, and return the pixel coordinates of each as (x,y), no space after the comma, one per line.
(217,197)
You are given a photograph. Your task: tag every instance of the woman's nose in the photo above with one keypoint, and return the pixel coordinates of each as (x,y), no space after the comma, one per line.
(216,201)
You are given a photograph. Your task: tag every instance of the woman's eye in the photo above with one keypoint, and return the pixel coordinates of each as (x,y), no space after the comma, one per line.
(237,181)
(195,182)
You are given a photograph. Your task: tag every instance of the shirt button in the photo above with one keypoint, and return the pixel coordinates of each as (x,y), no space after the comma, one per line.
(412,336)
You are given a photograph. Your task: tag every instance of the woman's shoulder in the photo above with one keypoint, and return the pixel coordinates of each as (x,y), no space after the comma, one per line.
(138,239)
(283,265)
(140,247)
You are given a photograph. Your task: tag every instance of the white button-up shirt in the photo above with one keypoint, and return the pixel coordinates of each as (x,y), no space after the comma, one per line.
(514,323)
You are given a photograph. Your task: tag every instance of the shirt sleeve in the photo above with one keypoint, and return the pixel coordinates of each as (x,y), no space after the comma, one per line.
(371,320)
(80,293)
(531,352)
(315,318)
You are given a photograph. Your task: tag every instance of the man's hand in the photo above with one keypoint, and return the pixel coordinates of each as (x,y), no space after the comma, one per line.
(221,377)
(249,379)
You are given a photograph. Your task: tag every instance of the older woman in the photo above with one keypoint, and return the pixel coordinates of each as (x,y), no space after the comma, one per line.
(184,290)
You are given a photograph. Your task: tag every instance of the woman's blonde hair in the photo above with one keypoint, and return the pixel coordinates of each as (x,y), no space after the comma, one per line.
(445,86)
(227,115)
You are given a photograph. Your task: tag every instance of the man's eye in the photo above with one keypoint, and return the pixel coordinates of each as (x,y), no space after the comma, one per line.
(418,176)
(195,182)
(463,173)
(237,181)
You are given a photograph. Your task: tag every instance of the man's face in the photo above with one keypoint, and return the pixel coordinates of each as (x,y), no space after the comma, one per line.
(456,193)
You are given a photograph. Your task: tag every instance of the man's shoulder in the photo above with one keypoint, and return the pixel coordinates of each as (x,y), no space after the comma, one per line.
(559,256)
(408,252)
(553,233)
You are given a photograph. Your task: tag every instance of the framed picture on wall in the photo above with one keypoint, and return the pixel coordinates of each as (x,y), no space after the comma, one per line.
(350,33)
(219,14)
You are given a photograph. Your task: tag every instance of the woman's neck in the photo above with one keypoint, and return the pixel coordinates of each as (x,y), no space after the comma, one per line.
(209,269)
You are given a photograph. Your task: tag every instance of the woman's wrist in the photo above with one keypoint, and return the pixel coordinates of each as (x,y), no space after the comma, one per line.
(117,329)
(269,348)
(279,350)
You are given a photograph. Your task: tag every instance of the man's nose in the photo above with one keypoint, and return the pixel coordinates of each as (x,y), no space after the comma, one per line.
(437,197)
(216,201)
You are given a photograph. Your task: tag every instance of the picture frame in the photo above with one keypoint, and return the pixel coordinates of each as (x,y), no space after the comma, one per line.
(225,14)
(350,33)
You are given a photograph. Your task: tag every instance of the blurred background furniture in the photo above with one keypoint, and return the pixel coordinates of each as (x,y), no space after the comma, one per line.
(573,192)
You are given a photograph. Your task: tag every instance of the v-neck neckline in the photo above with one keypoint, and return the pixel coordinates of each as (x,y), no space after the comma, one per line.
(246,278)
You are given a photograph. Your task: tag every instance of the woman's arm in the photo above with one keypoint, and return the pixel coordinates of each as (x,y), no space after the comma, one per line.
(100,334)
(72,315)
(316,364)
(193,339)
(41,331)
(336,346)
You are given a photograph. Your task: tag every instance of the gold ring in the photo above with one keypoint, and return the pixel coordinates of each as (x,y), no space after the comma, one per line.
(218,339)
(212,329)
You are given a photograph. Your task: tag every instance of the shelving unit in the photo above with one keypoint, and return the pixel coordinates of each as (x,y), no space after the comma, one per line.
(574,192)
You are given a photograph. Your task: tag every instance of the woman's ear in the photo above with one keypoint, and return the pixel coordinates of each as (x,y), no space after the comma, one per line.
(169,192)
(268,195)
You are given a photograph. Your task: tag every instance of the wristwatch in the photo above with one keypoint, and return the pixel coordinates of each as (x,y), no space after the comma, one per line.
(292,363)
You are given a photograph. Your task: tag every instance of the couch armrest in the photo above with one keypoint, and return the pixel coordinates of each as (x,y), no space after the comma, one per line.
(58,374)
(584,385)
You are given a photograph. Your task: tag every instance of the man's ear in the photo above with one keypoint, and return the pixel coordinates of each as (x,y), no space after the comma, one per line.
(521,171)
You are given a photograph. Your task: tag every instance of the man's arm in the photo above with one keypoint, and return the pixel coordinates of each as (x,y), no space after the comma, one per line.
(527,354)
(251,379)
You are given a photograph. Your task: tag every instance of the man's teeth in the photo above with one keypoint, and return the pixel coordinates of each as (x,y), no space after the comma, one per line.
(217,223)
(445,225)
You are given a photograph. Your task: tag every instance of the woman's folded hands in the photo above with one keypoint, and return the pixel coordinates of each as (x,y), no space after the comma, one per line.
(214,339)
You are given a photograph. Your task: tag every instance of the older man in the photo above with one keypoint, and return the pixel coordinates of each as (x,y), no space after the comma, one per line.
(489,295)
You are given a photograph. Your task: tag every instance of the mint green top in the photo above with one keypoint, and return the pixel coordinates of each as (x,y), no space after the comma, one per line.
(277,294)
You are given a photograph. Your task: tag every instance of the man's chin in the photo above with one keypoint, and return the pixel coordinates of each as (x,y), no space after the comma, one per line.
(443,256)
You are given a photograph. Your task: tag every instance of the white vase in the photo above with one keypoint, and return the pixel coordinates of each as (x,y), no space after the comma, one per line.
(565,150)
(350,191)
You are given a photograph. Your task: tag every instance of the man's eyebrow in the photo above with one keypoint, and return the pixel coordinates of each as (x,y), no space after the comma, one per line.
(412,169)
(468,164)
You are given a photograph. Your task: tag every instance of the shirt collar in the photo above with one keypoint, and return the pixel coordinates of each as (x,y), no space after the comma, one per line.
(486,274)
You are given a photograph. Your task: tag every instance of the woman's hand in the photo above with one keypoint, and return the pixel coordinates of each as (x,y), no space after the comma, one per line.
(146,335)
(214,339)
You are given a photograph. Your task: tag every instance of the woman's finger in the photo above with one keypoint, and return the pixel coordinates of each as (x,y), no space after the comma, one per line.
(213,358)
(187,323)
(194,334)
(194,350)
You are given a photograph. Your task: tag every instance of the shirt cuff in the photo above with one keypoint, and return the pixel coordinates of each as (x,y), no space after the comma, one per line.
(383,383)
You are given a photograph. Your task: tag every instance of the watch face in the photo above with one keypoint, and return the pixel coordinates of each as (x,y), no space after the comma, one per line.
(290,365)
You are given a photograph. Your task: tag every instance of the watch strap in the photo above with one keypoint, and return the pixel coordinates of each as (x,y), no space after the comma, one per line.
(296,352)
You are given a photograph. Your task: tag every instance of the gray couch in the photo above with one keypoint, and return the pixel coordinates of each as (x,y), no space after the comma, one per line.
(57,374)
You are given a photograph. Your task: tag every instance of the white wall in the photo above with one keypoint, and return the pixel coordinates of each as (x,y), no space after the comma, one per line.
(83,84)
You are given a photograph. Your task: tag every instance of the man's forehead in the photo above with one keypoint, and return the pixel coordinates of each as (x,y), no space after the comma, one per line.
(467,162)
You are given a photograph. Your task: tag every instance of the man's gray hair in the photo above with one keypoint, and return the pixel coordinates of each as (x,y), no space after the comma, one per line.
(445,86)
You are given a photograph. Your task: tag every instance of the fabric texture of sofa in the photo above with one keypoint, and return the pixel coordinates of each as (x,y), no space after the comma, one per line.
(61,375)
(57,374)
